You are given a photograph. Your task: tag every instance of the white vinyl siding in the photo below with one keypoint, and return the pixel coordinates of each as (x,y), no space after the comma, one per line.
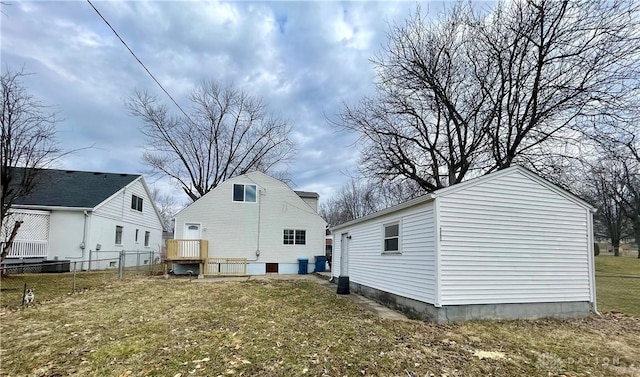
(118,207)
(311,202)
(512,240)
(78,234)
(117,210)
(237,230)
(410,274)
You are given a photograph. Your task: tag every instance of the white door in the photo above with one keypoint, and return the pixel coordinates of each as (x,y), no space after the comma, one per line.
(191,247)
(191,231)
(344,254)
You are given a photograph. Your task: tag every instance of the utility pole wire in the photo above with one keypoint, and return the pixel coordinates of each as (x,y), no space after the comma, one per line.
(139,61)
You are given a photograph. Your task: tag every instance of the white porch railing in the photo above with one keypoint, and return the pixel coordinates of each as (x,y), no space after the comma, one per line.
(31,241)
(28,249)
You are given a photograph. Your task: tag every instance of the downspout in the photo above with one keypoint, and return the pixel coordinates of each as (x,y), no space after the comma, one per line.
(259,194)
(259,217)
(592,274)
(437,254)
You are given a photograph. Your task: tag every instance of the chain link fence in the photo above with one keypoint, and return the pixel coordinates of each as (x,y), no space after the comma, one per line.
(618,292)
(618,280)
(52,280)
(618,289)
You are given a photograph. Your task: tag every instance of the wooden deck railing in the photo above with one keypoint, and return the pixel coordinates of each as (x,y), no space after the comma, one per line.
(187,250)
(226,267)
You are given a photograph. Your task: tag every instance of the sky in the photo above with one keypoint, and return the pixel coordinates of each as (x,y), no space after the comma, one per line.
(304,59)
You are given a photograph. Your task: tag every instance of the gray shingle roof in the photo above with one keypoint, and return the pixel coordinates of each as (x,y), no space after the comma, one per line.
(69,188)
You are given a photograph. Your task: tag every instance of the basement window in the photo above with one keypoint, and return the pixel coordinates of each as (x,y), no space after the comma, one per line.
(391,243)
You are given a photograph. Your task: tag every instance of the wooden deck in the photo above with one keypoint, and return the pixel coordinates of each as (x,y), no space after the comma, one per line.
(197,252)
(187,251)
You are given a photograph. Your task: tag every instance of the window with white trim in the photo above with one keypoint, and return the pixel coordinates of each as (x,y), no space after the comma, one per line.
(147,235)
(118,235)
(391,243)
(244,193)
(136,203)
(295,237)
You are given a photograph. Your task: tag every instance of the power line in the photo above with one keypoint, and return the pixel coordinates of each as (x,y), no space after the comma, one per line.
(139,61)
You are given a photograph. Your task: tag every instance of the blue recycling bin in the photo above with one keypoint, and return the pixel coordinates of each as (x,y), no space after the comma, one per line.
(303,266)
(321,263)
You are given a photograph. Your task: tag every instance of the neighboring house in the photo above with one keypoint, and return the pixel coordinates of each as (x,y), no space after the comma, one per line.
(77,215)
(505,245)
(254,220)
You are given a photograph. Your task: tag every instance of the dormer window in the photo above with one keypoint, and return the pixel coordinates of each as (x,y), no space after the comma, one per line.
(244,193)
(136,203)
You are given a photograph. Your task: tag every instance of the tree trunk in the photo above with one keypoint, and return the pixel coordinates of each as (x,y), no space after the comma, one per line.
(7,245)
(615,245)
(637,237)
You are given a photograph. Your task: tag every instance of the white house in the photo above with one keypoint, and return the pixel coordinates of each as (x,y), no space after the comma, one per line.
(83,216)
(252,218)
(505,245)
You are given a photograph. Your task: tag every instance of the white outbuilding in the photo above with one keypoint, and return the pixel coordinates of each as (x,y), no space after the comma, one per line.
(506,245)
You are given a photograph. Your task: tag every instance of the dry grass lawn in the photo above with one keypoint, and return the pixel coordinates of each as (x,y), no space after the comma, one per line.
(157,327)
(618,284)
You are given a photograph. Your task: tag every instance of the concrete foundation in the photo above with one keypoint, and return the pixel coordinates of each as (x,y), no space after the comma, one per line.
(427,312)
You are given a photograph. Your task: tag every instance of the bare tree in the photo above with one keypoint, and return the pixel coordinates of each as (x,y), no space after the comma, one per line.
(167,206)
(615,161)
(28,143)
(362,196)
(628,160)
(391,193)
(472,93)
(603,188)
(629,141)
(226,133)
(551,65)
(414,128)
(356,198)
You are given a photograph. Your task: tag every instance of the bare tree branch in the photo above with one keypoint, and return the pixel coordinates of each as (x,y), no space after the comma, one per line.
(469,93)
(27,144)
(228,133)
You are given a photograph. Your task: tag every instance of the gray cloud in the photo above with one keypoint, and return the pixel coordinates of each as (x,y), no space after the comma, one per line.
(303,58)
